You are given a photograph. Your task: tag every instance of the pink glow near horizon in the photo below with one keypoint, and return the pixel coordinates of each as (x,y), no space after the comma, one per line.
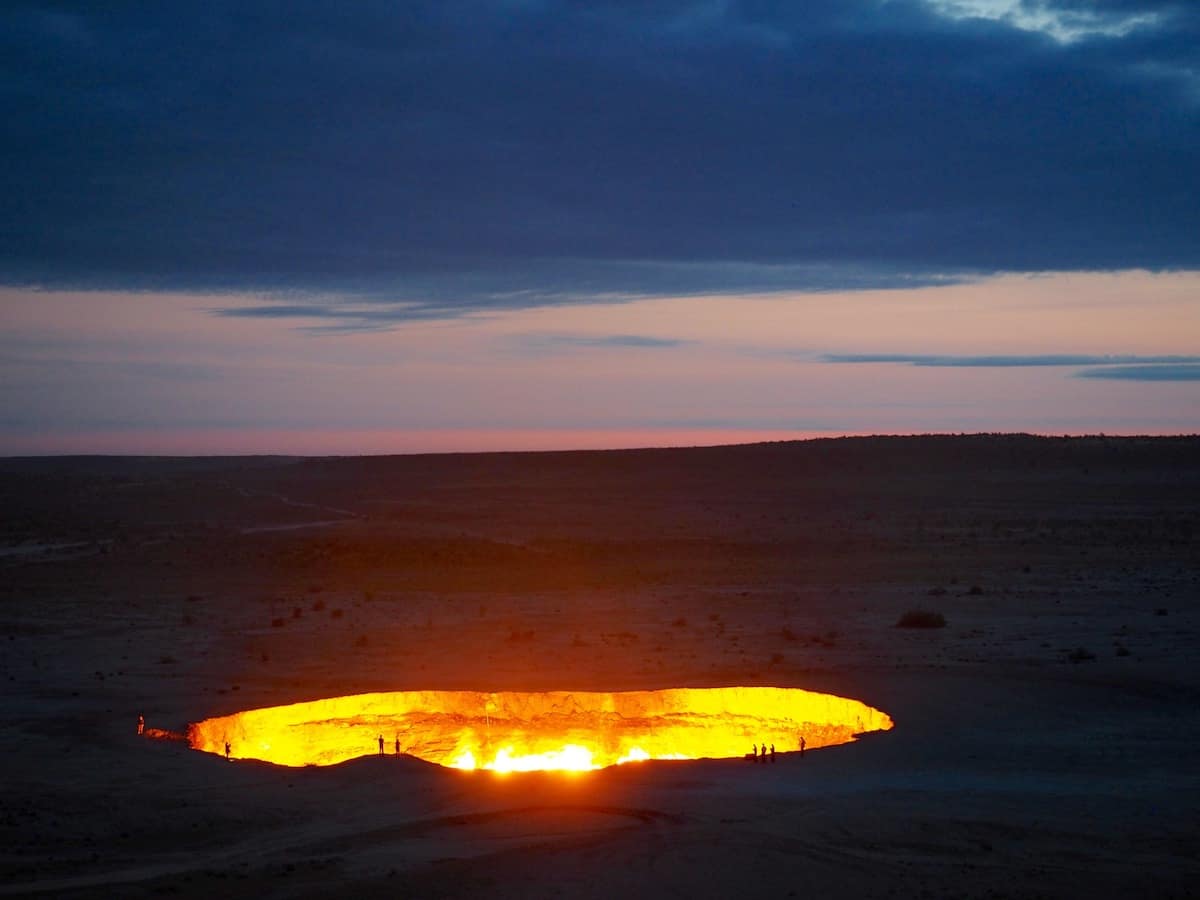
(159,374)
(368,443)
(372,443)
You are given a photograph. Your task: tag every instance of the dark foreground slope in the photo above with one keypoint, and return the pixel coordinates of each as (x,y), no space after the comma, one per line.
(1045,739)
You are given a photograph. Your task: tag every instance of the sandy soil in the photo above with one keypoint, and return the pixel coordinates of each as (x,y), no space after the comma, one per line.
(1045,742)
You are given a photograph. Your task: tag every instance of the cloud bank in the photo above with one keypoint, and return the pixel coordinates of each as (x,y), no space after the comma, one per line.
(430,158)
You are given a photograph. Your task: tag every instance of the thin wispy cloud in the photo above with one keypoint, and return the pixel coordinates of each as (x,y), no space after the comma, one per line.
(1010,360)
(1185,372)
(333,316)
(571,282)
(1065,22)
(544,343)
(609,340)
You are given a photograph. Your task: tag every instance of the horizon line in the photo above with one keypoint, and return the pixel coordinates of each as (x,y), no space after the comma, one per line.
(719,439)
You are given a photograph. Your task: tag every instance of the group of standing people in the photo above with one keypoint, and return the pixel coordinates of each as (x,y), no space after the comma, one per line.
(397,745)
(760,756)
(761,752)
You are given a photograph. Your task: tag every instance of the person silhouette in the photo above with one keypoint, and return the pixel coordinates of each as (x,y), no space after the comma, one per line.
(381,745)
(762,758)
(141,724)
(803,743)
(397,745)
(227,749)
(772,753)
(754,755)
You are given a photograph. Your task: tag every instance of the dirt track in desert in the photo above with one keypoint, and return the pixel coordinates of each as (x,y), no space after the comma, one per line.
(1045,742)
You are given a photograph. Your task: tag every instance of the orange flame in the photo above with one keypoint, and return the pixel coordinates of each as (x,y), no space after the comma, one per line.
(560,730)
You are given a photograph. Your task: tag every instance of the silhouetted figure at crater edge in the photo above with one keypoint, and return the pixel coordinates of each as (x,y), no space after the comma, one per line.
(381,745)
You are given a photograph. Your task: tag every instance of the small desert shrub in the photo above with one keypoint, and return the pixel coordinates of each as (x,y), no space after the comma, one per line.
(921,618)
(620,638)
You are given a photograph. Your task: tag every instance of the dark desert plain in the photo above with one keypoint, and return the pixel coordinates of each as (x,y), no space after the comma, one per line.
(1045,739)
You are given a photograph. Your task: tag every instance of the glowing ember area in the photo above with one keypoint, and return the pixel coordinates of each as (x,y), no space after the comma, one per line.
(519,732)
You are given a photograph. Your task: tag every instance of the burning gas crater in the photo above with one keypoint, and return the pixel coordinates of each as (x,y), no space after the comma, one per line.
(516,732)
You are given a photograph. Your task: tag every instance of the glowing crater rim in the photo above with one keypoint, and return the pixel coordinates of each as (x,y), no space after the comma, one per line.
(533,730)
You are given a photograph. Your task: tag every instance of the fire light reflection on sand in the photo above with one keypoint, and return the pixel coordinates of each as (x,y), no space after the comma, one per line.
(571,758)
(551,730)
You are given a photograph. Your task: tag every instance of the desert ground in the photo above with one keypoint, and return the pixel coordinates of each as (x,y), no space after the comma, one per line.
(1046,740)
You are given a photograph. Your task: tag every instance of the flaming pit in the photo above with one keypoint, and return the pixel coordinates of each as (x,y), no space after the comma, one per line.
(525,731)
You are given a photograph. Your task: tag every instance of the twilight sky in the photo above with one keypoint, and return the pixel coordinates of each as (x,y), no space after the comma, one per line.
(380,226)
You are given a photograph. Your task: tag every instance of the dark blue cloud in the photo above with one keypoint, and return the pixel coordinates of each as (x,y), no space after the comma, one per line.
(1186,372)
(453,156)
(1006,361)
